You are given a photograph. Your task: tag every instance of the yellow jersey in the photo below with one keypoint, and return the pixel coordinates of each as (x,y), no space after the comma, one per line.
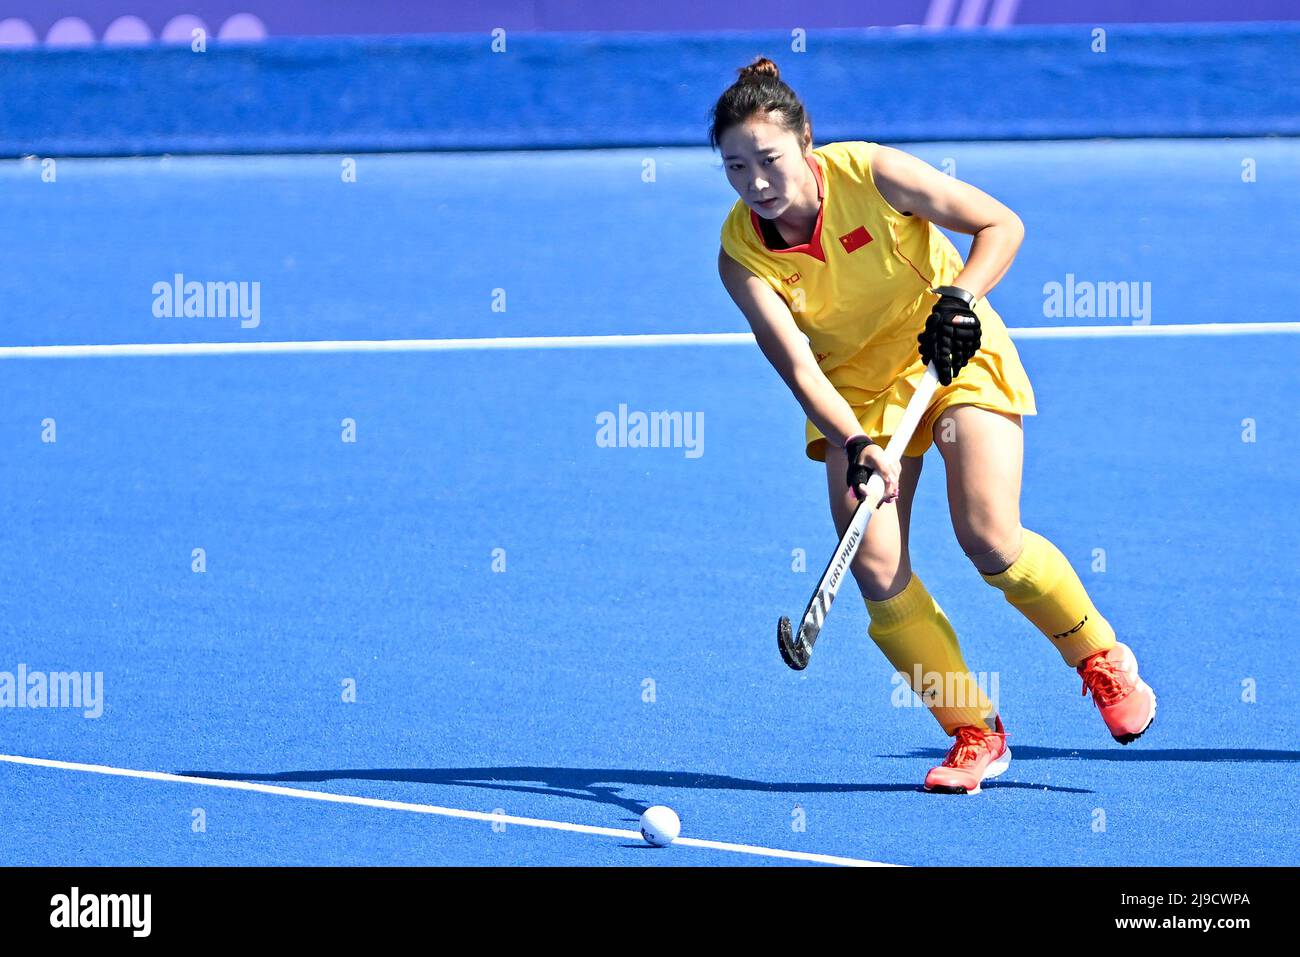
(859,289)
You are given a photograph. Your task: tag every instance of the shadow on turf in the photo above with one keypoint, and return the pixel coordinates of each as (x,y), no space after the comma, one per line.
(1117,753)
(602,786)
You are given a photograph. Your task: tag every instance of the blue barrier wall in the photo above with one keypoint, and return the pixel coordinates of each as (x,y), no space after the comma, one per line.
(636,89)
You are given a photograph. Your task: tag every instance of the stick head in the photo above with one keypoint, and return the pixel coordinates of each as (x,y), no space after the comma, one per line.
(794,652)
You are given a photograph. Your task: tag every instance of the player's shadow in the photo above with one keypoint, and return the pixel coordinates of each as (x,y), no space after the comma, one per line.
(600,785)
(1134,753)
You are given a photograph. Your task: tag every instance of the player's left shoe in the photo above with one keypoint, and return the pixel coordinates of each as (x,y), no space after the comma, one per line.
(1127,704)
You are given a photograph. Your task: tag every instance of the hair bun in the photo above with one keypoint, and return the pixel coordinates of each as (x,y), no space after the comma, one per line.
(760,68)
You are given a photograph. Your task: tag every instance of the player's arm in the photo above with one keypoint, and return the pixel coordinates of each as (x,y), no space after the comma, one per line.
(787,350)
(913,186)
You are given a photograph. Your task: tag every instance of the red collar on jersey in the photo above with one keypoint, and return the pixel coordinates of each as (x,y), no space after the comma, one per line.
(814,246)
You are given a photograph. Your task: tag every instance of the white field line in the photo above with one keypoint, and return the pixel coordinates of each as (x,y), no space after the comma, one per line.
(583,342)
(1187,329)
(371,345)
(484,816)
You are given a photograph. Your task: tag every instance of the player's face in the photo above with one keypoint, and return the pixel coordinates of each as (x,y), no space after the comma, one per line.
(765,165)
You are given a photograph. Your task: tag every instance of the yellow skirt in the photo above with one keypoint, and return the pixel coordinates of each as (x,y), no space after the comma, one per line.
(993,379)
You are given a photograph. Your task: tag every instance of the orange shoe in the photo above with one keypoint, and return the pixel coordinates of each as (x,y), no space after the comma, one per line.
(977,754)
(1127,704)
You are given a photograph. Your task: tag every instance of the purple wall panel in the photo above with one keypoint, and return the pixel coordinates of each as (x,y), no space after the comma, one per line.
(1155,11)
(336,17)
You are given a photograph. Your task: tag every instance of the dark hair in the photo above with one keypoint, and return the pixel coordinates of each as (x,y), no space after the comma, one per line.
(759,89)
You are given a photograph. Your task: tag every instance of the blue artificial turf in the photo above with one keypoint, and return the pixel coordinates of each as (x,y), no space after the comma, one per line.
(624,569)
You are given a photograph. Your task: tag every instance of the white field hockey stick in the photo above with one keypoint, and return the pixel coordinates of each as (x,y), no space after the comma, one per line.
(796,652)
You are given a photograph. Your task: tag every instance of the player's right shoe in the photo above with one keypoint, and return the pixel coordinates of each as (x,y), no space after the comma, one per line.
(1127,704)
(977,755)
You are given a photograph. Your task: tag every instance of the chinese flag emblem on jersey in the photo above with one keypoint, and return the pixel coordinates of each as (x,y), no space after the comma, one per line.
(856,239)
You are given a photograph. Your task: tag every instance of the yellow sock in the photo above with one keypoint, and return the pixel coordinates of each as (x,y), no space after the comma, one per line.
(914,633)
(1047,591)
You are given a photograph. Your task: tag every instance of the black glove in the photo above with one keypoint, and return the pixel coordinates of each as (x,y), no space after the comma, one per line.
(952,333)
(858,474)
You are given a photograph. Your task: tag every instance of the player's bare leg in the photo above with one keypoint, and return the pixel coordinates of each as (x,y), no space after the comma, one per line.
(881,566)
(911,629)
(983,453)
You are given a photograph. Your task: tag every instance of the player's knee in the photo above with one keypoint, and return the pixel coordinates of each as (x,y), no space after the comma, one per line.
(881,576)
(993,549)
